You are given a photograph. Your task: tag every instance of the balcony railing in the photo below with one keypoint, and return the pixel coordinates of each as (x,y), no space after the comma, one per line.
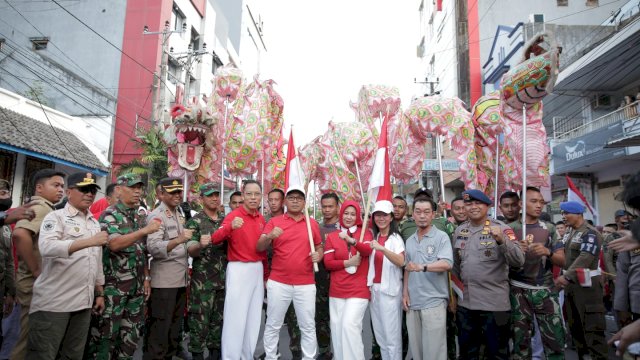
(628,112)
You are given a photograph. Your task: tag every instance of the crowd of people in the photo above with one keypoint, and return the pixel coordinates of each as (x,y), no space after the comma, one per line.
(95,279)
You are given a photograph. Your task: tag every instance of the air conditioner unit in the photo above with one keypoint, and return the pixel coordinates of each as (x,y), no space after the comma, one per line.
(536,18)
(601,101)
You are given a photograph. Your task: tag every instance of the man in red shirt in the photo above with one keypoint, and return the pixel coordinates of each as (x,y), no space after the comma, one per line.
(292,276)
(245,274)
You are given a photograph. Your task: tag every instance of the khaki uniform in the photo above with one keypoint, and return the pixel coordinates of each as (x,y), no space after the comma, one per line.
(24,277)
(63,294)
(482,265)
(169,278)
(585,307)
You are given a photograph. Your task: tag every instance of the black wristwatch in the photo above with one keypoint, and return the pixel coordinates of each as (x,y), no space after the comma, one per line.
(425,268)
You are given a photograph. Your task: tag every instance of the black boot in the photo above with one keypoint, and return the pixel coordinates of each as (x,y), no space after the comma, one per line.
(197,356)
(214,354)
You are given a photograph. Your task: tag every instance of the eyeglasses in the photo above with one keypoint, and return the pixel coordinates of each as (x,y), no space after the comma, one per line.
(295,198)
(90,189)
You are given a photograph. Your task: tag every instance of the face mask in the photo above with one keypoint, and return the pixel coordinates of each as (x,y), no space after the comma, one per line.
(5,204)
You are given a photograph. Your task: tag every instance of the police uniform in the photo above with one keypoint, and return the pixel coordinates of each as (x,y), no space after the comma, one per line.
(482,265)
(115,334)
(532,296)
(206,294)
(63,294)
(169,277)
(584,303)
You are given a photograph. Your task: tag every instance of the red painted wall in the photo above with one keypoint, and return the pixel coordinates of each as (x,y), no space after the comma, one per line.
(475,68)
(199,5)
(135,81)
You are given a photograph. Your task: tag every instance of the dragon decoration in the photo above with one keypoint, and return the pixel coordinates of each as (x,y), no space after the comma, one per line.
(246,120)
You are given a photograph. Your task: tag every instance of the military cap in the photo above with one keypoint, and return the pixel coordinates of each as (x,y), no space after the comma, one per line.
(476,195)
(81,179)
(423,191)
(621,213)
(209,188)
(572,207)
(129,179)
(171,184)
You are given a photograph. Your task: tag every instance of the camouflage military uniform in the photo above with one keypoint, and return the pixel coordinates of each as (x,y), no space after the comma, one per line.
(585,307)
(531,296)
(206,297)
(120,326)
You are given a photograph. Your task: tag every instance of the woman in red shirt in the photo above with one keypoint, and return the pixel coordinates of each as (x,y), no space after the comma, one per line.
(347,260)
(385,280)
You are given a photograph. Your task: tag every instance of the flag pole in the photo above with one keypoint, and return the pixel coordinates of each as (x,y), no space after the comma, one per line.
(495,184)
(359,181)
(366,216)
(439,154)
(308,221)
(523,195)
(224,130)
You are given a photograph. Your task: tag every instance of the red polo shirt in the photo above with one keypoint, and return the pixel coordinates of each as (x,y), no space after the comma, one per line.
(344,285)
(291,263)
(242,242)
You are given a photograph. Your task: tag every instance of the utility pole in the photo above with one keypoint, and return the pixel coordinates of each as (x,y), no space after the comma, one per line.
(432,85)
(159,93)
(188,59)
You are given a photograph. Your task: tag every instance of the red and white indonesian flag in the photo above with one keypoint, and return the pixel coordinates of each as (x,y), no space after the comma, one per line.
(576,195)
(584,276)
(380,180)
(293,176)
(458,286)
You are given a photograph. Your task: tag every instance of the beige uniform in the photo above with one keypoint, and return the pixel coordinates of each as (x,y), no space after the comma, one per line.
(483,265)
(67,282)
(168,269)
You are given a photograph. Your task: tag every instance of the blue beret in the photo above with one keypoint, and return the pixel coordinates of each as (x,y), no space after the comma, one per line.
(572,207)
(476,195)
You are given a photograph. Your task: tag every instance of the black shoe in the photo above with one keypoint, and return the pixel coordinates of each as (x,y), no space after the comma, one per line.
(197,356)
(297,355)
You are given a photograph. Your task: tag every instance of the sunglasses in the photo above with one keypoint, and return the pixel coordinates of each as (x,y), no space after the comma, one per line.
(89,189)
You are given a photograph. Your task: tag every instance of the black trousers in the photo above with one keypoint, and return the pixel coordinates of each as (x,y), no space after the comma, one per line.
(166,313)
(491,328)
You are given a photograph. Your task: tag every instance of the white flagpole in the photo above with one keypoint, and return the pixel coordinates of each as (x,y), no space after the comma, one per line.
(497,177)
(359,181)
(523,196)
(439,155)
(224,131)
(306,216)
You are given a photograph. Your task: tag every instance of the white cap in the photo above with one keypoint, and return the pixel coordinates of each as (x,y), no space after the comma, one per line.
(384,206)
(296,188)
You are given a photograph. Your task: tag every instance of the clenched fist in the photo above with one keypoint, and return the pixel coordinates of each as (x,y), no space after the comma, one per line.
(205,240)
(186,235)
(152,226)
(237,223)
(100,238)
(275,233)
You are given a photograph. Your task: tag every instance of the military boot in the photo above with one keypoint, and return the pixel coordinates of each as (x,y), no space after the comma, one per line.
(214,354)
(197,356)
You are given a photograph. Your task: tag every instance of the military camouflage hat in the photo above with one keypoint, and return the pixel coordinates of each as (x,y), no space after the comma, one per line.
(129,179)
(209,188)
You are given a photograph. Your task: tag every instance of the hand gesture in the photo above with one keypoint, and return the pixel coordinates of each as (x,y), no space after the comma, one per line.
(275,233)
(411,266)
(185,236)
(626,336)
(237,223)
(354,260)
(98,307)
(625,243)
(21,213)
(496,232)
(524,246)
(538,249)
(100,238)
(152,226)
(343,235)
(205,240)
(375,245)
(315,256)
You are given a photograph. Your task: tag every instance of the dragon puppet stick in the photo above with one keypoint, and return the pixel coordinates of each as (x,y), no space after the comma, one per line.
(224,129)
(366,216)
(308,221)
(439,154)
(495,184)
(359,180)
(523,195)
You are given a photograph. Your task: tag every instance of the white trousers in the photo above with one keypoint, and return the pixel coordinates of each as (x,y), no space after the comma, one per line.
(244,285)
(279,297)
(427,330)
(346,327)
(386,316)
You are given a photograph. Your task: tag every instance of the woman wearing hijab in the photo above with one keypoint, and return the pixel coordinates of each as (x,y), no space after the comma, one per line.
(385,281)
(347,260)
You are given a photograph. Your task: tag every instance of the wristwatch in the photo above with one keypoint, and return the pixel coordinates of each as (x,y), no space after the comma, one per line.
(147,278)
(425,268)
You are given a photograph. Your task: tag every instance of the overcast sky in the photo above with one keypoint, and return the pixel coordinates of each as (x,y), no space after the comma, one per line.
(320,53)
